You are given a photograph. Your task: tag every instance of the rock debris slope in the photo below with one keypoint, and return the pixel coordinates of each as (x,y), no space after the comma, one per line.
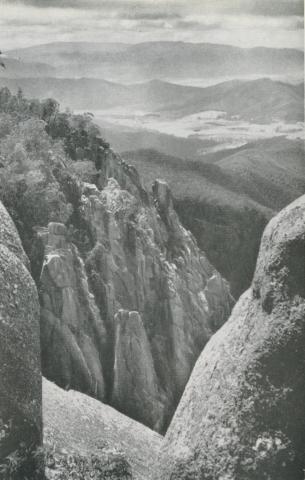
(125,316)
(20,377)
(84,428)
(242,414)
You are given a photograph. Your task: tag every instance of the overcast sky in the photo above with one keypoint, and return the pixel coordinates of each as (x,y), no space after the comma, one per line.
(275,23)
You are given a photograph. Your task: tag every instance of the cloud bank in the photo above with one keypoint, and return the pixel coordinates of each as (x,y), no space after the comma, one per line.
(274,23)
(257,7)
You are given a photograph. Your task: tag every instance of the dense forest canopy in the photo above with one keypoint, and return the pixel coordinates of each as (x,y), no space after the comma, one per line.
(81,138)
(44,155)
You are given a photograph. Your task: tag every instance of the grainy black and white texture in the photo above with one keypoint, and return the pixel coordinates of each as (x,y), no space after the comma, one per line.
(152,240)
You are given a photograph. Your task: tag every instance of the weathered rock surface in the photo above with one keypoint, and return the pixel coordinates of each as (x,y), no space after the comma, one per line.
(83,434)
(9,236)
(242,414)
(72,331)
(20,377)
(125,318)
(135,383)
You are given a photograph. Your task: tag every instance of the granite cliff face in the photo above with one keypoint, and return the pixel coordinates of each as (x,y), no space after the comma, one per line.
(20,377)
(127,312)
(241,416)
(72,331)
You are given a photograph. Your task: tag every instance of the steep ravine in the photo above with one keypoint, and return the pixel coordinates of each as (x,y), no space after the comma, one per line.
(128,301)
(241,416)
(126,321)
(47,433)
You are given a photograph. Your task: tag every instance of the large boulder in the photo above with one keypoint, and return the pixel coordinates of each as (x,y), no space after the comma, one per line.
(20,377)
(242,414)
(83,435)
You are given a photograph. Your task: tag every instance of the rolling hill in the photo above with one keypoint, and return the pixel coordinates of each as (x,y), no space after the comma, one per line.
(171,60)
(17,68)
(260,101)
(271,172)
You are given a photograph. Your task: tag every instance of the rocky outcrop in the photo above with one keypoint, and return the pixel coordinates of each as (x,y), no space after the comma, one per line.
(135,384)
(20,377)
(84,435)
(242,414)
(72,331)
(125,315)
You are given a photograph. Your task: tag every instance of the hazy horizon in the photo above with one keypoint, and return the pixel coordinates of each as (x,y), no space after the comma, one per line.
(76,44)
(150,41)
(247,23)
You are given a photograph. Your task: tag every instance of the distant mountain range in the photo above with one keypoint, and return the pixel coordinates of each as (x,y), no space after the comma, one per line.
(261,100)
(164,60)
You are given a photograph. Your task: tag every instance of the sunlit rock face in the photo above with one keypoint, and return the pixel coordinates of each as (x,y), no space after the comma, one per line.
(242,413)
(126,319)
(20,377)
(72,331)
